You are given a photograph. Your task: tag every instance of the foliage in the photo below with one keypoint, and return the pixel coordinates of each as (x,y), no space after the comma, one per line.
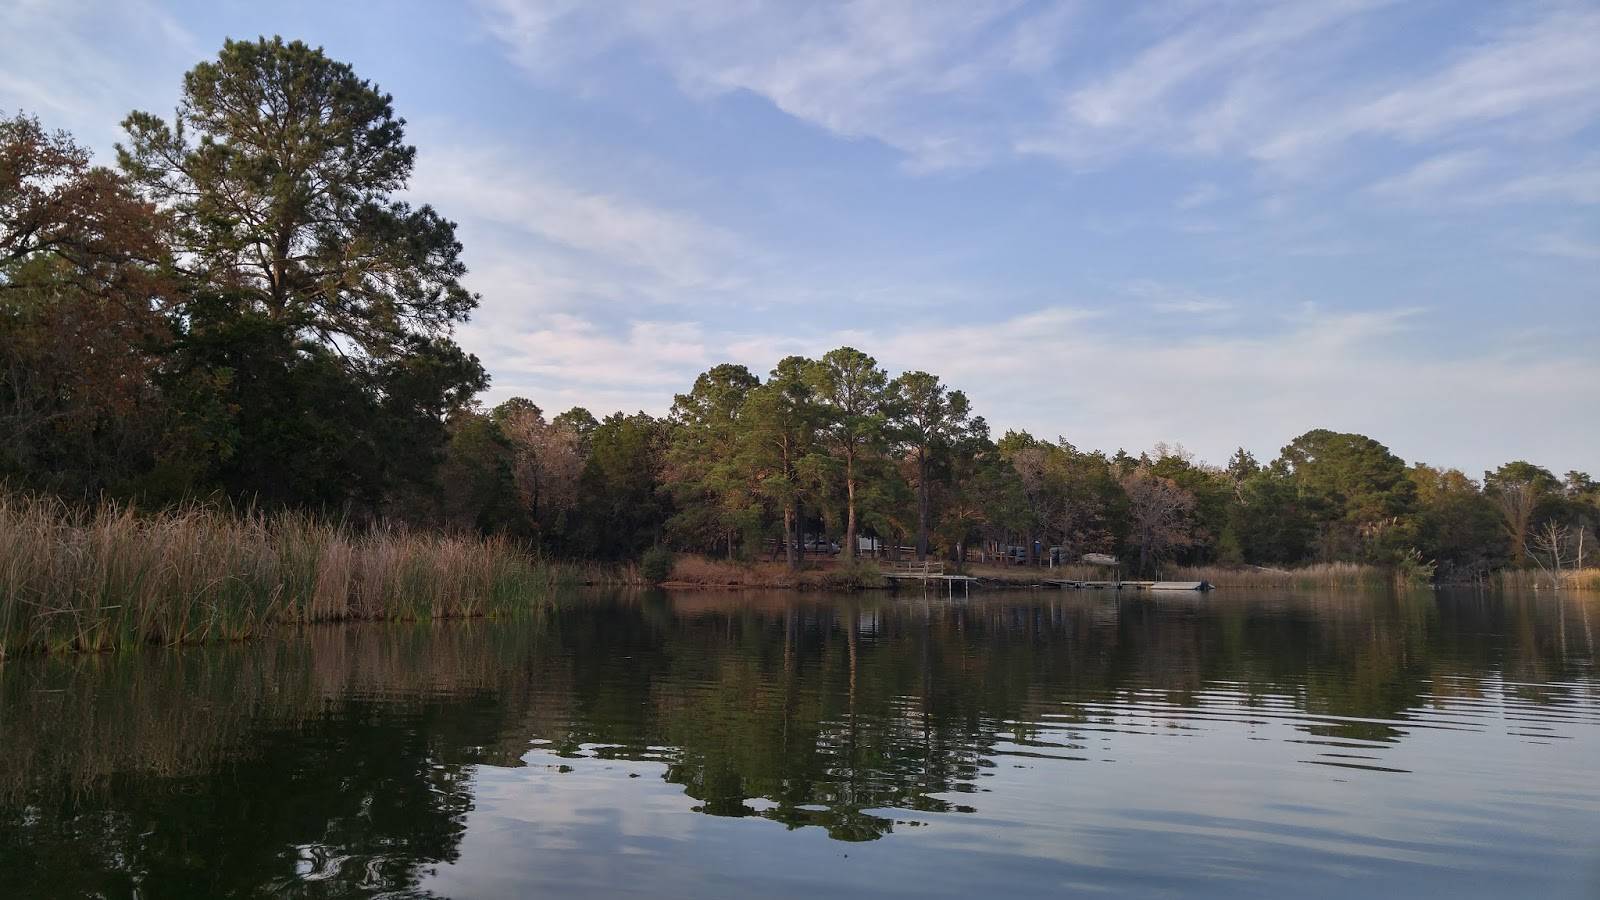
(314,332)
(1159,511)
(928,420)
(82,288)
(1350,486)
(655,566)
(1524,493)
(279,172)
(621,508)
(852,391)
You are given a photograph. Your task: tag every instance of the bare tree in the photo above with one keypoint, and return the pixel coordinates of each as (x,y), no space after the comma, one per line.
(1159,511)
(1517,501)
(547,459)
(1178,451)
(1031,464)
(1550,547)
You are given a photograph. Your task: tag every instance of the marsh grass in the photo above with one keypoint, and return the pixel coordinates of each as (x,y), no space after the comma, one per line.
(1586,579)
(109,577)
(689,570)
(703,572)
(1317,575)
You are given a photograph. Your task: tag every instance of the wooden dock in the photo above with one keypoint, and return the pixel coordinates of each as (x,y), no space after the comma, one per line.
(1130,585)
(929,571)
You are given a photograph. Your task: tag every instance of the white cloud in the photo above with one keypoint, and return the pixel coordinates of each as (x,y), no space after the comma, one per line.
(1198,196)
(1476,178)
(572,360)
(672,249)
(1576,184)
(1140,90)
(1426,178)
(1284,85)
(1567,246)
(910,73)
(53,63)
(1538,79)
(1079,373)
(1200,85)
(1353,371)
(1173,299)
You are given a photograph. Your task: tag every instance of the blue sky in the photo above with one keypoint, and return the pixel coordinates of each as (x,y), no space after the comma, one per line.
(1214,223)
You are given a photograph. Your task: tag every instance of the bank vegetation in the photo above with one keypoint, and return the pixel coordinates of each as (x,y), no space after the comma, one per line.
(107,577)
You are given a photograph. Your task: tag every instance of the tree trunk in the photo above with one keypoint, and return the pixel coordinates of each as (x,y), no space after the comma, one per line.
(791,536)
(849,549)
(922,506)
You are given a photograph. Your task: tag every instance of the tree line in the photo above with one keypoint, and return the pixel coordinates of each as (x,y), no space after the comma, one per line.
(244,307)
(836,447)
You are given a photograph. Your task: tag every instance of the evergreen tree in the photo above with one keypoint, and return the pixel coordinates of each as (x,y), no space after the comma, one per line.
(279,174)
(851,394)
(929,419)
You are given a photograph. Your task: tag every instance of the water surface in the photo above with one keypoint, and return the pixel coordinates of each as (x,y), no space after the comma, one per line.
(704,745)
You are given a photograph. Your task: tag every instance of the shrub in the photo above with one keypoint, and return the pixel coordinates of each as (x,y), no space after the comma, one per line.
(859,575)
(656,565)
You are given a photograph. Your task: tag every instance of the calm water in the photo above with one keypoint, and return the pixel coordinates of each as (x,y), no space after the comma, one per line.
(702,745)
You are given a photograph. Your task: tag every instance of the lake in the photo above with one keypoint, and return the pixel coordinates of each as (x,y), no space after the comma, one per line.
(1237,744)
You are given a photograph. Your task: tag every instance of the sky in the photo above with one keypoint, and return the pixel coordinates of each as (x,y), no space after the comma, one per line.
(1218,223)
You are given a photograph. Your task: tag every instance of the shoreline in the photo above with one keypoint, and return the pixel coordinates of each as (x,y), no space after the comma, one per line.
(86,580)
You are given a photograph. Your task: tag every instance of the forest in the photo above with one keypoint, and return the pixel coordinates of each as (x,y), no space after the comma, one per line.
(242,309)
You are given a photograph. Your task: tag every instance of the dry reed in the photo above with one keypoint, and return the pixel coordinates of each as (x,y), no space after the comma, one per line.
(108,577)
(1316,575)
(704,572)
(1586,579)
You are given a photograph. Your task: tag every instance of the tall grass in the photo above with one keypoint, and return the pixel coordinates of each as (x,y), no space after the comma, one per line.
(1317,575)
(689,570)
(1586,579)
(108,577)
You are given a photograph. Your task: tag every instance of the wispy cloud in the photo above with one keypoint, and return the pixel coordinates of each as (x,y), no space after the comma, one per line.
(1574,184)
(1198,196)
(1136,95)
(1173,299)
(1426,178)
(910,73)
(53,65)
(953,84)
(1539,78)
(672,249)
(1567,246)
(1214,390)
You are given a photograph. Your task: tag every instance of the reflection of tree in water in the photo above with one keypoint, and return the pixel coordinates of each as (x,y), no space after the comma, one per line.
(247,770)
(835,723)
(350,802)
(343,763)
(791,710)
